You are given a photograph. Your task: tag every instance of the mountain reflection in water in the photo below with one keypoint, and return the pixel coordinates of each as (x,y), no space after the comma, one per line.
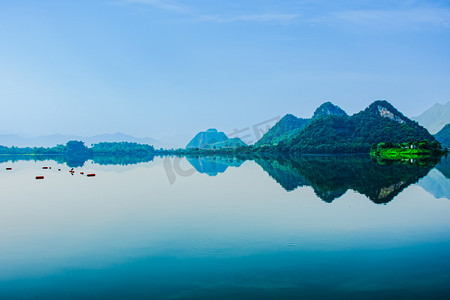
(329,176)
(332,176)
(213,165)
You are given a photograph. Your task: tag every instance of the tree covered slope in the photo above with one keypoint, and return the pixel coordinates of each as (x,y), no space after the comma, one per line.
(340,133)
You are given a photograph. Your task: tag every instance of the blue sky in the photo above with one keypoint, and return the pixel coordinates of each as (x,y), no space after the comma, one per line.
(156,68)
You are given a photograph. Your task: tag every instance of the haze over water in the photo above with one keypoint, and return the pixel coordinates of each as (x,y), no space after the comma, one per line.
(241,230)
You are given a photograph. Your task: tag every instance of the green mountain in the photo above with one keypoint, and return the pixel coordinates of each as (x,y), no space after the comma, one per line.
(435,118)
(328,109)
(286,128)
(289,126)
(443,136)
(212,139)
(340,133)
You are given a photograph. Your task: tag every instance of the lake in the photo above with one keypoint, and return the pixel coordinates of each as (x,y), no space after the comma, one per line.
(311,227)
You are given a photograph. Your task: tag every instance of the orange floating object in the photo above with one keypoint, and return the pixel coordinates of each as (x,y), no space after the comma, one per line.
(45,168)
(82,173)
(39,177)
(8,169)
(90,175)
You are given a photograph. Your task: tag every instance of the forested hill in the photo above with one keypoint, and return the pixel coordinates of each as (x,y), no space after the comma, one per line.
(289,126)
(286,128)
(443,136)
(340,133)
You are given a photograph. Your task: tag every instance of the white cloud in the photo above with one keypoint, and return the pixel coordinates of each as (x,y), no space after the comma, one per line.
(265,17)
(405,16)
(281,18)
(161,4)
(409,18)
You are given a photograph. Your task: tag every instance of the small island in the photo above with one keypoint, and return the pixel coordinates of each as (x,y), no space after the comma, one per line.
(409,150)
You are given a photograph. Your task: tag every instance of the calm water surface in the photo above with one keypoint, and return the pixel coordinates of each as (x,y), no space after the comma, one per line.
(214,228)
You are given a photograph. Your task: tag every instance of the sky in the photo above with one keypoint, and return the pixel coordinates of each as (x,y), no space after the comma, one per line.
(157,68)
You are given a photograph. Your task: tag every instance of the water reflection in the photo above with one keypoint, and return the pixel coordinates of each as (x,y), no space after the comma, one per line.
(80,161)
(329,176)
(127,233)
(437,182)
(213,165)
(332,176)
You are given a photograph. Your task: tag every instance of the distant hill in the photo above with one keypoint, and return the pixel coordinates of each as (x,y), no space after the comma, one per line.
(230,143)
(290,125)
(213,139)
(443,136)
(59,139)
(339,133)
(435,118)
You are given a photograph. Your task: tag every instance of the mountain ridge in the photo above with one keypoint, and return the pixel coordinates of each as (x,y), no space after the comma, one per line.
(59,139)
(291,125)
(435,118)
(213,139)
(340,133)
(443,136)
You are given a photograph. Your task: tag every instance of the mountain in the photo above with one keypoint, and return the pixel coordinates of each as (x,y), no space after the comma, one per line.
(435,118)
(331,133)
(289,126)
(213,139)
(59,139)
(230,143)
(443,136)
(328,109)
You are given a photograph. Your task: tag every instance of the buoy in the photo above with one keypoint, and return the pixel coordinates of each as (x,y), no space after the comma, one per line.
(59,169)
(90,175)
(82,173)
(45,168)
(8,169)
(39,177)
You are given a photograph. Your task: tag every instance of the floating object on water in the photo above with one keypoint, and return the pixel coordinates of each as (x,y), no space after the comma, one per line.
(59,169)
(39,177)
(8,169)
(49,167)
(45,168)
(82,173)
(90,175)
